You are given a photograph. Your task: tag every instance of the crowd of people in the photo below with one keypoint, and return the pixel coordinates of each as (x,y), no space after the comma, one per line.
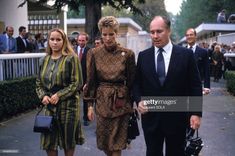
(24,43)
(222,18)
(27,43)
(217,61)
(108,82)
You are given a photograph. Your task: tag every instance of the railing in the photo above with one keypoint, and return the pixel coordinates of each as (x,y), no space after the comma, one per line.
(19,65)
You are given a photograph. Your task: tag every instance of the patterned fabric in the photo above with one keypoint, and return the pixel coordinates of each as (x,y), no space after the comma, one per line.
(61,76)
(112,133)
(110,75)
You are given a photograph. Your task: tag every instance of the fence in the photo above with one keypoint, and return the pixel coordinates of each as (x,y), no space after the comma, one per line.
(226,38)
(19,65)
(27,64)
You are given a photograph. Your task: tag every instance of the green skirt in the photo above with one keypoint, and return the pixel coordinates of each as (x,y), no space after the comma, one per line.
(67,131)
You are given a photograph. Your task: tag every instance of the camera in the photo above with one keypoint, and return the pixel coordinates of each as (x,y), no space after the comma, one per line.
(194,145)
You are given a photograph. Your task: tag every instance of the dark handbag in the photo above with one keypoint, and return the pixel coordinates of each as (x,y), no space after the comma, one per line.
(42,123)
(133,128)
(194,144)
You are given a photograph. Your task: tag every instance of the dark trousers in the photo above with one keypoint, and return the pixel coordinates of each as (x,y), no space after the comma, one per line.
(85,110)
(174,142)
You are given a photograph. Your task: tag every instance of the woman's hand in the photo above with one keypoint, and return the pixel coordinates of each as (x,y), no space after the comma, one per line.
(46,100)
(54,99)
(90,113)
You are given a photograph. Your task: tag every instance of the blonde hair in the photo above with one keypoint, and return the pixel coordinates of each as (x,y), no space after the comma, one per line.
(66,48)
(108,22)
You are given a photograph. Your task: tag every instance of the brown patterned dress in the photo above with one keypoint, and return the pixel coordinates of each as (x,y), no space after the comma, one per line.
(110,75)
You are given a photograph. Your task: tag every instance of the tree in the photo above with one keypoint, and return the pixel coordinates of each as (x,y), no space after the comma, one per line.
(150,9)
(93,10)
(193,13)
(74,14)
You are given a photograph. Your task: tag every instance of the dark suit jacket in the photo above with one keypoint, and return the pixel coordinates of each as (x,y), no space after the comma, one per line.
(83,64)
(182,79)
(21,48)
(202,60)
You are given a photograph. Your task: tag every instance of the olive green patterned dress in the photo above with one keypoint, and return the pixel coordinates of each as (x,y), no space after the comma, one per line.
(110,75)
(61,76)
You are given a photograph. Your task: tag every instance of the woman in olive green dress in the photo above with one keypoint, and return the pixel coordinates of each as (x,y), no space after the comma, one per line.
(57,87)
(110,75)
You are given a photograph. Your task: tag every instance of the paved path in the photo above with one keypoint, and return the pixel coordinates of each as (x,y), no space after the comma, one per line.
(217,131)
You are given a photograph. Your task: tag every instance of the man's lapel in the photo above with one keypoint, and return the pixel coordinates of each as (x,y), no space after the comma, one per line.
(173,63)
(151,63)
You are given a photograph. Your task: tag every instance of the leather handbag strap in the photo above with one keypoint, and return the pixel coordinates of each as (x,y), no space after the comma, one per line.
(42,106)
(39,110)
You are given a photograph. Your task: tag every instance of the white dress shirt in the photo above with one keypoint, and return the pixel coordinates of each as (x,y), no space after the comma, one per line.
(193,47)
(166,54)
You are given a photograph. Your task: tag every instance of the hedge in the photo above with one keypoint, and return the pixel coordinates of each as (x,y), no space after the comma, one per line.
(230,77)
(17,96)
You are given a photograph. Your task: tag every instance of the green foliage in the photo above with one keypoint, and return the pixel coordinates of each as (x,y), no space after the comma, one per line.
(150,9)
(230,77)
(76,14)
(17,96)
(193,13)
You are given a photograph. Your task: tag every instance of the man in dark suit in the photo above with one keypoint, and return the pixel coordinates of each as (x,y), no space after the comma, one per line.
(82,50)
(22,43)
(170,71)
(201,57)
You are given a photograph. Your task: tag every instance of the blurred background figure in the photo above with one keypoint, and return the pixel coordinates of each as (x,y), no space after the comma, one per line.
(217,58)
(7,41)
(98,41)
(30,41)
(39,43)
(22,43)
(81,51)
(221,18)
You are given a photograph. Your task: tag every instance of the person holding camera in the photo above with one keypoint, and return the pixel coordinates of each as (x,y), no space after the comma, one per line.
(170,71)
(57,85)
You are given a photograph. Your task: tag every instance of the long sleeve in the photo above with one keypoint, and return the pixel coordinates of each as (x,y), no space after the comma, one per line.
(137,82)
(195,88)
(206,70)
(40,89)
(89,92)
(75,78)
(131,68)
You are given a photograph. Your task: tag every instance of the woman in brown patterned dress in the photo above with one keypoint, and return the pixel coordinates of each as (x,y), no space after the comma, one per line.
(110,74)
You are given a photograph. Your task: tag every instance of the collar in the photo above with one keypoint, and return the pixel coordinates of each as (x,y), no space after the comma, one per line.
(7,36)
(193,47)
(168,47)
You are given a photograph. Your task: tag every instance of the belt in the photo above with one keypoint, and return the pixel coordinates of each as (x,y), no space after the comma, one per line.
(112,83)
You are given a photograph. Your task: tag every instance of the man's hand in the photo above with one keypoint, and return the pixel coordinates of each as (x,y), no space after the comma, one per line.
(206,91)
(90,113)
(142,108)
(195,121)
